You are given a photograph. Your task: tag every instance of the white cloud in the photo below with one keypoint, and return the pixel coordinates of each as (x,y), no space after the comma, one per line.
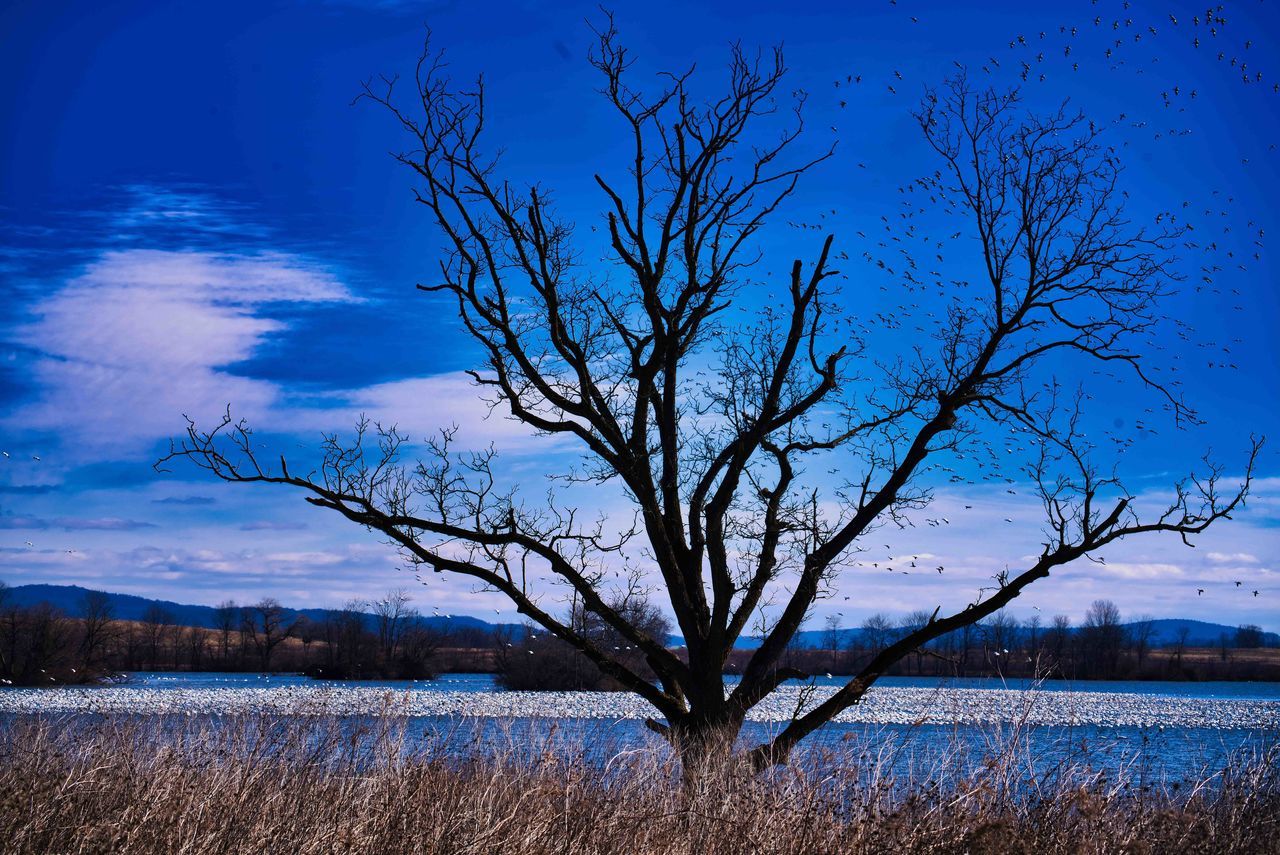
(1232,558)
(419,407)
(138,337)
(141,336)
(1143,570)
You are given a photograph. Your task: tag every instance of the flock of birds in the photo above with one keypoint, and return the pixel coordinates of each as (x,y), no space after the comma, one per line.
(910,252)
(27,543)
(888,705)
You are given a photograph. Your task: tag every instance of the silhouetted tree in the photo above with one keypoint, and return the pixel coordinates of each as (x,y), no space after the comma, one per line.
(1141,631)
(877,632)
(831,635)
(913,623)
(708,424)
(1249,636)
(1031,631)
(392,615)
(1102,639)
(226,620)
(97,626)
(1180,647)
(191,647)
(1001,632)
(1224,646)
(267,624)
(1058,641)
(418,645)
(157,627)
(37,645)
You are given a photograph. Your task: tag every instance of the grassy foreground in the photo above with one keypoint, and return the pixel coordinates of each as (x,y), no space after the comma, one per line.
(308,784)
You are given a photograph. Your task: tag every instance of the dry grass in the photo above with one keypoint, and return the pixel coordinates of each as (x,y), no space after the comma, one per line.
(313,784)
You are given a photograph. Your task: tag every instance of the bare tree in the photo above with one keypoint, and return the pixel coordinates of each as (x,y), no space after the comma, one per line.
(308,632)
(1141,631)
(8,632)
(133,646)
(1180,647)
(226,620)
(344,631)
(1249,636)
(832,632)
(266,623)
(711,425)
(1031,629)
(157,629)
(418,645)
(1058,640)
(97,618)
(189,648)
(1102,639)
(36,645)
(1000,636)
(911,623)
(392,616)
(1224,646)
(877,632)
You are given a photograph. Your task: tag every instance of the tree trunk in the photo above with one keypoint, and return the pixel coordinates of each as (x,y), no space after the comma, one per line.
(704,744)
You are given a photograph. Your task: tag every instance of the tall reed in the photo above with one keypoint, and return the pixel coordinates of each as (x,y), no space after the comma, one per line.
(317,783)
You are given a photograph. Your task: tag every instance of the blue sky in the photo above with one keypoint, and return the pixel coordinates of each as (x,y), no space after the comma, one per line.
(192,214)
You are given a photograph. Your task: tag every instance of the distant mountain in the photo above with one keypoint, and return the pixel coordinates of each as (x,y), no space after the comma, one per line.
(1164,632)
(68,598)
(1199,633)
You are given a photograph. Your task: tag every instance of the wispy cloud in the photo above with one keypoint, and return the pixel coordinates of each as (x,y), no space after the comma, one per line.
(15,522)
(189,214)
(8,521)
(101,524)
(1232,558)
(140,335)
(420,407)
(273,525)
(1151,570)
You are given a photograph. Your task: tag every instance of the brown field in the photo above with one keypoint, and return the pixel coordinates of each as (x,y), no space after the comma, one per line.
(1268,657)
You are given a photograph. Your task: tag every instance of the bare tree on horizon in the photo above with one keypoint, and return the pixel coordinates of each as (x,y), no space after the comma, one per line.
(267,625)
(711,425)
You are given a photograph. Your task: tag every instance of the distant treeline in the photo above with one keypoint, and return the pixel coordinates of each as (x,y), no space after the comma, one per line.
(1101,648)
(388,638)
(385,638)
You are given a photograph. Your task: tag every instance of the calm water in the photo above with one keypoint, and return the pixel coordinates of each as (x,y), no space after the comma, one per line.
(485,683)
(1154,754)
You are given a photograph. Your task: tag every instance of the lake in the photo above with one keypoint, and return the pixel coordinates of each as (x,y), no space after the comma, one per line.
(1168,731)
(486,683)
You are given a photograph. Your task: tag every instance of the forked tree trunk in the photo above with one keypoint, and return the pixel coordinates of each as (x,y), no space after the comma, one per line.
(611,364)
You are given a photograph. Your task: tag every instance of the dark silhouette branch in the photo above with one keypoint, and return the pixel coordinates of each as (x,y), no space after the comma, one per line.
(708,424)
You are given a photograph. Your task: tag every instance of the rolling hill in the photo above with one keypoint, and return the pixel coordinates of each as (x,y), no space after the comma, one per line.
(68,598)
